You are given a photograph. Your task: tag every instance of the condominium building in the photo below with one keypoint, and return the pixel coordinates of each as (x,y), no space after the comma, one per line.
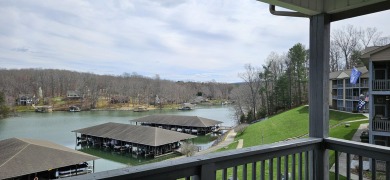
(379,75)
(345,96)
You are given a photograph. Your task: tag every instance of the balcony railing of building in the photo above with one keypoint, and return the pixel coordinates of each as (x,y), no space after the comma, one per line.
(292,159)
(365,85)
(334,96)
(381,85)
(334,86)
(353,85)
(352,97)
(381,125)
(357,85)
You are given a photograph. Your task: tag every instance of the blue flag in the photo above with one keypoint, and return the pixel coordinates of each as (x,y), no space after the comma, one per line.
(355,74)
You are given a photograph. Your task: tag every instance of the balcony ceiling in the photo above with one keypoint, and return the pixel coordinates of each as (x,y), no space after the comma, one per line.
(338,9)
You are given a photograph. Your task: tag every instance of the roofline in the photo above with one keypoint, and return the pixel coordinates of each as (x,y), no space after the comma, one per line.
(369,53)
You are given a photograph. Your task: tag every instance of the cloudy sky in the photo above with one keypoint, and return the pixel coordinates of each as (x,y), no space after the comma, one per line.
(197,40)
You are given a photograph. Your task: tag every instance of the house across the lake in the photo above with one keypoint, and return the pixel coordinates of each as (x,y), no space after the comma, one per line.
(26,100)
(140,140)
(186,124)
(73,94)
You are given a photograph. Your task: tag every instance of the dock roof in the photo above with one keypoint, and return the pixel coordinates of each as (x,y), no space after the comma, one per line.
(190,121)
(144,135)
(19,156)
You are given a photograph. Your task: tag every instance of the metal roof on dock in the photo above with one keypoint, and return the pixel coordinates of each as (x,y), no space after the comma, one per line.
(190,121)
(19,156)
(144,135)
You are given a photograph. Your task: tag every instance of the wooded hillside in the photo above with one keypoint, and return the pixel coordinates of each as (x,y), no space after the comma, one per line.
(136,88)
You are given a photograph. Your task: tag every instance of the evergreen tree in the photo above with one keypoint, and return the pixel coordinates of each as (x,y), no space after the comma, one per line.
(4,110)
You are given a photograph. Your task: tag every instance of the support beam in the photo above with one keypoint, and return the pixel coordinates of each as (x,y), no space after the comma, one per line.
(319,92)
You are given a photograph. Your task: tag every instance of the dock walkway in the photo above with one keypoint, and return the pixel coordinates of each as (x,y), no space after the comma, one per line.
(228,140)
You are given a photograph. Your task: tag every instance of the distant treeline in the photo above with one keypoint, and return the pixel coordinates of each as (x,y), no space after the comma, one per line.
(138,89)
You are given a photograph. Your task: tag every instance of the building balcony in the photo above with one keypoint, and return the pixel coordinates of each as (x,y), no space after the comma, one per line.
(357,85)
(381,125)
(381,85)
(295,159)
(353,85)
(355,98)
(364,85)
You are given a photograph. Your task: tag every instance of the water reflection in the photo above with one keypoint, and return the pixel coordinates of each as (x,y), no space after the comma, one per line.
(57,126)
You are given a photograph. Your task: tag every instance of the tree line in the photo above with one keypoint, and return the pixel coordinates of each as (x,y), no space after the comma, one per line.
(282,82)
(137,89)
(279,84)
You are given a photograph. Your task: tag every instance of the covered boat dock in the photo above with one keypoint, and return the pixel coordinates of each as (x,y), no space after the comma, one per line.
(29,158)
(186,124)
(140,140)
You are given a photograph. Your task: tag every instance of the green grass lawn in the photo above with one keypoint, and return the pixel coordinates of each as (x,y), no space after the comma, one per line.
(286,125)
(291,124)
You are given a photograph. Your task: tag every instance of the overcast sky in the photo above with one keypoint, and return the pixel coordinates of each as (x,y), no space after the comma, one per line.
(197,40)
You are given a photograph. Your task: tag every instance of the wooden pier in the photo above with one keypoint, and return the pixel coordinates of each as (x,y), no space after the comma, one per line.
(139,140)
(186,124)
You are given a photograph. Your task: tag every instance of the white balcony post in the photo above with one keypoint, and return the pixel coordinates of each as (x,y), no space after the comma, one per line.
(319,92)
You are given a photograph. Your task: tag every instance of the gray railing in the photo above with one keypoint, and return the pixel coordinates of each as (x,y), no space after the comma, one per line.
(381,125)
(381,85)
(286,160)
(353,85)
(377,155)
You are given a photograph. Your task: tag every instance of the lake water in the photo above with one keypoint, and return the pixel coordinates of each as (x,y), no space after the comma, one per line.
(57,126)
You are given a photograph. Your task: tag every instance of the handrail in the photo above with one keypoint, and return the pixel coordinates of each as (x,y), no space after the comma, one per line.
(358,148)
(207,165)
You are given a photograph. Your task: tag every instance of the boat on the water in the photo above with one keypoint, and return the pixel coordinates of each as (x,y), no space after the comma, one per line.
(43,109)
(186,107)
(140,109)
(74,109)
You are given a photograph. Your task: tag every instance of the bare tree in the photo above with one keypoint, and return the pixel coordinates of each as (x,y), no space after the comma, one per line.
(242,101)
(347,39)
(188,149)
(382,41)
(335,57)
(369,36)
(252,80)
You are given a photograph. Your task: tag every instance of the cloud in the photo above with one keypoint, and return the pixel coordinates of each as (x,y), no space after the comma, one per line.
(196,40)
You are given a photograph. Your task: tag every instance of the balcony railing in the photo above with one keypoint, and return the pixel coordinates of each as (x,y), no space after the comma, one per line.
(381,125)
(364,85)
(381,85)
(353,85)
(293,159)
